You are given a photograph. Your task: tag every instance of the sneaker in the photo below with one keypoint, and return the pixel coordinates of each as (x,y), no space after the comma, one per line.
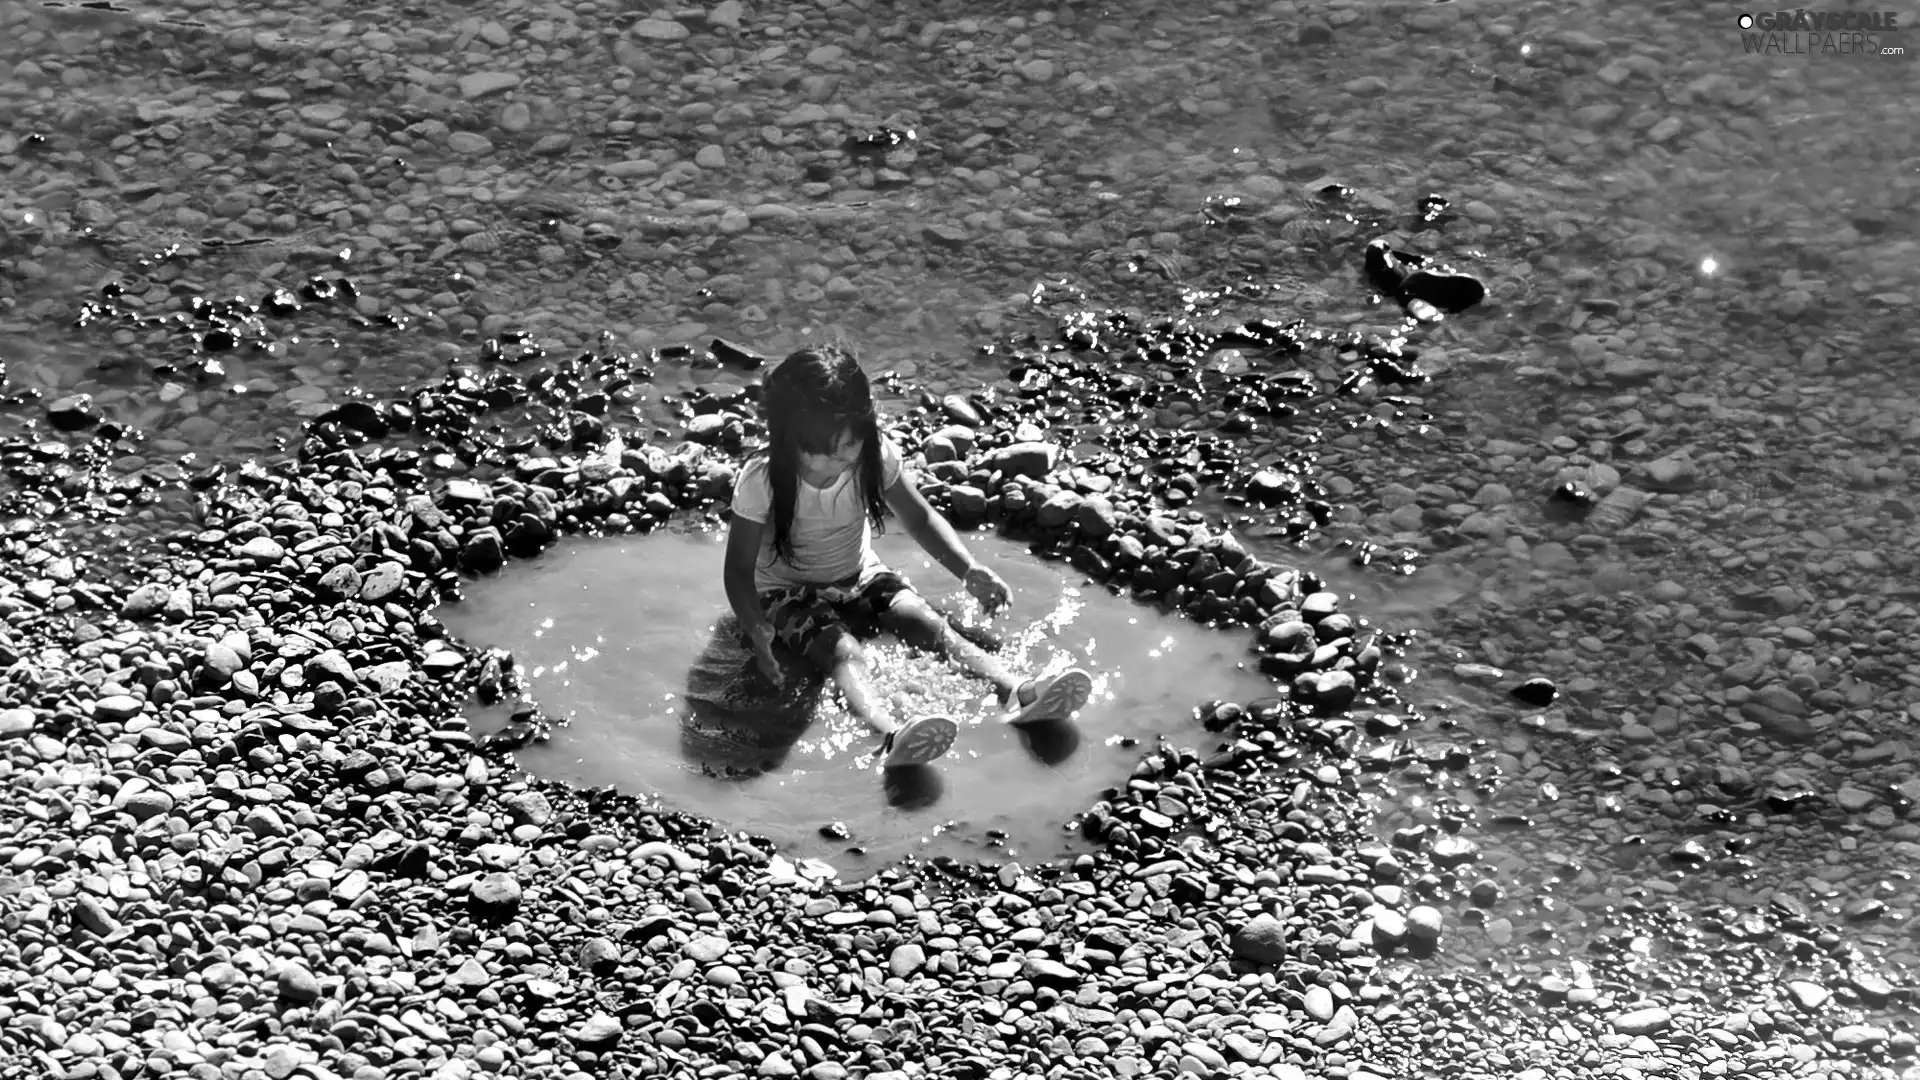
(918,741)
(1056,697)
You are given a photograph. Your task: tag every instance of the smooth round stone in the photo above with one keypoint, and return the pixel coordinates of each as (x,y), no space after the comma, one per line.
(906,960)
(297,984)
(1389,929)
(1424,923)
(118,707)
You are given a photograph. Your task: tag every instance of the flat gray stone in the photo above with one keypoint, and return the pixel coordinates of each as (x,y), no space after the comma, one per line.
(484,83)
(1642,1021)
(118,707)
(660,30)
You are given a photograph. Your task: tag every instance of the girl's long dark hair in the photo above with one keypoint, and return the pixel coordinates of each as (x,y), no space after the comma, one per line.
(810,399)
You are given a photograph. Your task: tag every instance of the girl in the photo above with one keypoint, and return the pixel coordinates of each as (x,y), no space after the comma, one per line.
(800,565)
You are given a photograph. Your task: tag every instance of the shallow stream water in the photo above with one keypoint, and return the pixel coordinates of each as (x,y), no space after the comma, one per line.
(619,642)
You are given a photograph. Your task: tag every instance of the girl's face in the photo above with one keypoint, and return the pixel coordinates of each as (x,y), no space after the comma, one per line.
(824,468)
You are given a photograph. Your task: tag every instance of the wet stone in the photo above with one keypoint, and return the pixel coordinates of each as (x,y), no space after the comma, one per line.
(1810,996)
(1030,459)
(529,808)
(1859,1036)
(1261,940)
(1389,930)
(1424,924)
(1536,692)
(1450,851)
(76,412)
(1317,606)
(145,601)
(1872,989)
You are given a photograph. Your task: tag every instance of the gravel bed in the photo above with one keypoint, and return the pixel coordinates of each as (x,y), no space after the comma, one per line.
(1668,464)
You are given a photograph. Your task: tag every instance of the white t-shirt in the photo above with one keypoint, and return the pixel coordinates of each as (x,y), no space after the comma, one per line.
(832,539)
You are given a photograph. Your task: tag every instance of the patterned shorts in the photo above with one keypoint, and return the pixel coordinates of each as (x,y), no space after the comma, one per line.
(803,615)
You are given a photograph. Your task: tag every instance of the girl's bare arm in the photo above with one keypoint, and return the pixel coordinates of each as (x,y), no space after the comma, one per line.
(743,550)
(928,527)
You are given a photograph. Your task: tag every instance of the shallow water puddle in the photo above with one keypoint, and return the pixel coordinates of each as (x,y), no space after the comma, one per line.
(617,639)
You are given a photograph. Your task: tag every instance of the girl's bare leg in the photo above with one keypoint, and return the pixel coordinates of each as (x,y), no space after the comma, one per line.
(920,626)
(846,664)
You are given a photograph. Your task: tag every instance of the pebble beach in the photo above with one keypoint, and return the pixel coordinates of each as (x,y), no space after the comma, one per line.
(1590,609)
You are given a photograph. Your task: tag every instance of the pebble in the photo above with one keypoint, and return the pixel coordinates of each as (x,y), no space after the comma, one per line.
(706,948)
(1424,923)
(660,30)
(1808,995)
(598,1032)
(297,984)
(1261,940)
(469,143)
(1646,1021)
(1389,930)
(1859,1036)
(495,895)
(481,84)
(906,959)
(143,803)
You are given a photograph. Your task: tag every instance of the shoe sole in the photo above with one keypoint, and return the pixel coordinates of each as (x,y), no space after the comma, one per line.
(921,740)
(1059,699)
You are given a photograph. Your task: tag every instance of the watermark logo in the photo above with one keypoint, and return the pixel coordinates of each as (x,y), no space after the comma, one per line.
(1821,33)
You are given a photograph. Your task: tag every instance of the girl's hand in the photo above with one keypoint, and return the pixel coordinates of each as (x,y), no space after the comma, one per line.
(985,586)
(761,638)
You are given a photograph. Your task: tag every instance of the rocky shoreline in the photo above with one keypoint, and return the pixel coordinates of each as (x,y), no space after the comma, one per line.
(254,836)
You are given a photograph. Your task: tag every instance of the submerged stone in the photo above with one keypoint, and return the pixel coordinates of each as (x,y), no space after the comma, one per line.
(1536,692)
(1411,279)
